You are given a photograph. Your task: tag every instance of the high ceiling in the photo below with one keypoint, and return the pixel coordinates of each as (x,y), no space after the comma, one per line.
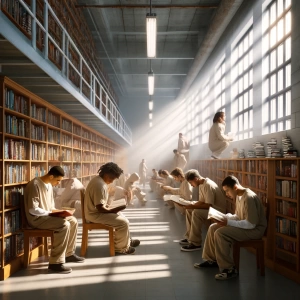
(119,31)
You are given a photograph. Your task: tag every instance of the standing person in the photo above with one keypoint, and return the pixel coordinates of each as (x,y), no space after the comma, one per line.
(39,203)
(196,214)
(97,211)
(218,140)
(143,172)
(179,160)
(249,222)
(184,147)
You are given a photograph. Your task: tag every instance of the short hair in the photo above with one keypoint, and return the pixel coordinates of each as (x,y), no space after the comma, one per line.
(192,174)
(110,168)
(153,169)
(230,181)
(160,171)
(175,151)
(217,116)
(56,171)
(165,172)
(177,172)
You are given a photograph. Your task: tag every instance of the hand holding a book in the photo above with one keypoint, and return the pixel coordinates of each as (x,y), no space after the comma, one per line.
(61,213)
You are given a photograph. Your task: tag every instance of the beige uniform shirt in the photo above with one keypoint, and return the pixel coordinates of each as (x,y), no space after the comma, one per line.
(184,191)
(216,133)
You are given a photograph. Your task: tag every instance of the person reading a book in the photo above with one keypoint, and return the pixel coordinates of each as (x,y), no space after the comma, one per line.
(98,211)
(218,140)
(134,190)
(168,180)
(196,214)
(179,160)
(249,222)
(41,213)
(184,191)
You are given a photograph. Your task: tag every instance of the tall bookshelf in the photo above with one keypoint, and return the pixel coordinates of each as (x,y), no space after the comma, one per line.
(276,182)
(35,136)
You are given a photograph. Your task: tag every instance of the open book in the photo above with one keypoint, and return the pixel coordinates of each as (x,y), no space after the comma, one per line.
(215,214)
(62,213)
(177,199)
(117,203)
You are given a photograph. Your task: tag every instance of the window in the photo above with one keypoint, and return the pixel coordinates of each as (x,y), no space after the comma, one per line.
(242,85)
(220,86)
(206,114)
(276,91)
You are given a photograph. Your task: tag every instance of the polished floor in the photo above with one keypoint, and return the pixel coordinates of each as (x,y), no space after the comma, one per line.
(158,270)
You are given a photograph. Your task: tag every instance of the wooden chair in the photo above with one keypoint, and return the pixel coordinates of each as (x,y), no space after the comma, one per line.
(93,226)
(33,232)
(258,245)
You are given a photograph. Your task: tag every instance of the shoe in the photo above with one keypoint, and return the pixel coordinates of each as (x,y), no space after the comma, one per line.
(74,258)
(130,250)
(206,264)
(184,242)
(134,243)
(190,248)
(59,268)
(214,157)
(227,274)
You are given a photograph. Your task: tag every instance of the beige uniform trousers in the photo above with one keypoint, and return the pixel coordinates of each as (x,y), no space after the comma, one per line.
(195,218)
(218,147)
(219,240)
(65,233)
(120,224)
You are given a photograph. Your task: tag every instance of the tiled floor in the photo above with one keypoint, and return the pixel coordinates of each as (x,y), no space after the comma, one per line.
(158,270)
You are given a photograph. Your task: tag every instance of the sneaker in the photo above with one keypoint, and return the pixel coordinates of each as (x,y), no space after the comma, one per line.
(134,243)
(130,250)
(227,274)
(206,264)
(190,247)
(74,258)
(184,242)
(59,268)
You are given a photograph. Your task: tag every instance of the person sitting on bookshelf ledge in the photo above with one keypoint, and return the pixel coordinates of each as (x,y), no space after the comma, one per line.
(196,214)
(249,222)
(97,210)
(39,204)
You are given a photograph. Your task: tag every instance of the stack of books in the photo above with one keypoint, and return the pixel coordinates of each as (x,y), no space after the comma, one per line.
(272,148)
(241,153)
(287,148)
(259,149)
(251,153)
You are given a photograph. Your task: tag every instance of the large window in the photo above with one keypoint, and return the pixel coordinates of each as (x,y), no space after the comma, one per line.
(220,86)
(193,118)
(276,92)
(206,114)
(242,85)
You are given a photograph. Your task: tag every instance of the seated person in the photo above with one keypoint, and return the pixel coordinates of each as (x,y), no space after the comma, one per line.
(134,190)
(97,211)
(168,180)
(154,179)
(248,223)
(196,214)
(184,191)
(39,203)
(179,160)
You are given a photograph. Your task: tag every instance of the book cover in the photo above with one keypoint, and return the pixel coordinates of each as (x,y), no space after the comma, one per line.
(215,214)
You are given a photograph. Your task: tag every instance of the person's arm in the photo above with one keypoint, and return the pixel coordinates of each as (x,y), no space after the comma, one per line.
(104,210)
(220,134)
(240,224)
(174,191)
(34,204)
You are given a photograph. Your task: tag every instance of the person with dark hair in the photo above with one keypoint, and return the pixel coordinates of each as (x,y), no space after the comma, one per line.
(168,180)
(196,214)
(184,146)
(218,140)
(97,210)
(184,191)
(143,172)
(39,203)
(249,222)
(179,160)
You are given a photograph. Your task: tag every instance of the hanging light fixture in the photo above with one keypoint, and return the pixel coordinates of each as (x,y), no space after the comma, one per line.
(151,33)
(150,115)
(150,124)
(150,104)
(151,83)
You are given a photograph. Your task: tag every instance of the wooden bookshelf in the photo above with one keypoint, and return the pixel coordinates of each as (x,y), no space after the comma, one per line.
(35,136)
(276,182)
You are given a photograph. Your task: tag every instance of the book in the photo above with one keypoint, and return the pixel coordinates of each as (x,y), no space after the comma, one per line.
(177,199)
(117,203)
(62,213)
(215,214)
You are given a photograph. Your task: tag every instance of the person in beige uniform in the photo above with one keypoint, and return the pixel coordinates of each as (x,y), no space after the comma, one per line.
(218,140)
(38,203)
(249,222)
(134,190)
(184,146)
(184,191)
(143,172)
(179,160)
(196,214)
(97,211)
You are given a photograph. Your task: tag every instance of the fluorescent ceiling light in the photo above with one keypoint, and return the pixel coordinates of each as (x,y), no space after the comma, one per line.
(150,115)
(150,104)
(150,124)
(151,34)
(151,83)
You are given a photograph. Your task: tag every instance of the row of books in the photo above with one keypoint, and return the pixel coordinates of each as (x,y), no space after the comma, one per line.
(53,119)
(286,188)
(15,149)
(38,132)
(285,226)
(66,140)
(16,102)
(286,208)
(16,126)
(38,113)
(66,125)
(38,151)
(13,246)
(53,136)
(15,173)
(12,221)
(66,155)
(286,169)
(13,196)
(37,171)
(286,245)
